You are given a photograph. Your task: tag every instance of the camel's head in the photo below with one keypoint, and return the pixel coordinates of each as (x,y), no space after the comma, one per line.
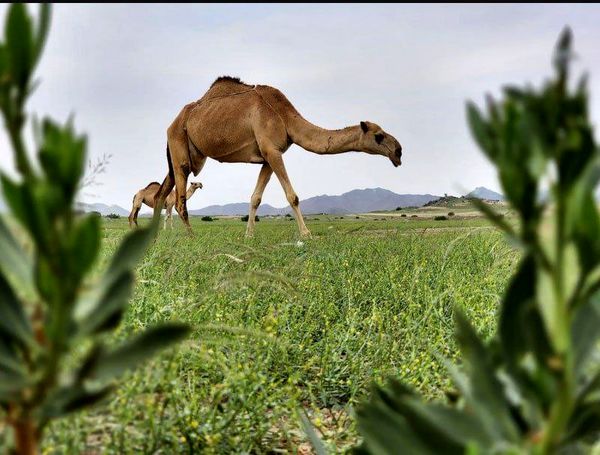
(377,142)
(195,185)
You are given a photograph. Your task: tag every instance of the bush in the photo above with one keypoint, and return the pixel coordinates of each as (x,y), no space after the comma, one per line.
(403,215)
(450,213)
(54,302)
(208,218)
(398,208)
(413,216)
(246,217)
(534,386)
(440,218)
(287,215)
(113,216)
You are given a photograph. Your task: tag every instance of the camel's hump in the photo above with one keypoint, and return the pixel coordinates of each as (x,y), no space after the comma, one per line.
(235,80)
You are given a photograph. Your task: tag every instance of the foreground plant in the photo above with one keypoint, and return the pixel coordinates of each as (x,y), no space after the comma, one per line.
(48,309)
(535,386)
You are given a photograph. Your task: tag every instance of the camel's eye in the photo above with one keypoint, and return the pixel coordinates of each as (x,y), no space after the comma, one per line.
(379,138)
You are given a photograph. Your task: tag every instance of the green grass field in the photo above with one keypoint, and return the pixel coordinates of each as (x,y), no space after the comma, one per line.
(282,327)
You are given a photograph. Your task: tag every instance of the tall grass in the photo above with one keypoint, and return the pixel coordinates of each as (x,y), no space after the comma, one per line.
(283,326)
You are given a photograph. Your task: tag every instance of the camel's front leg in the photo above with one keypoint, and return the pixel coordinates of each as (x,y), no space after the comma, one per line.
(263,179)
(169,216)
(275,159)
(181,200)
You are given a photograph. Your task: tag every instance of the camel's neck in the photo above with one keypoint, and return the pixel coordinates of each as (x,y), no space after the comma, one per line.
(190,191)
(328,142)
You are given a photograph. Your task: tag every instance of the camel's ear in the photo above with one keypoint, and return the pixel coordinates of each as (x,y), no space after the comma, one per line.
(364,126)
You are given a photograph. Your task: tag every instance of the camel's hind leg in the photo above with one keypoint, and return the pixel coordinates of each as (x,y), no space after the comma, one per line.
(137,205)
(263,178)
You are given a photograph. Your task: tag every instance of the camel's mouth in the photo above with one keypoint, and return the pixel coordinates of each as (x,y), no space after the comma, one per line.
(396,157)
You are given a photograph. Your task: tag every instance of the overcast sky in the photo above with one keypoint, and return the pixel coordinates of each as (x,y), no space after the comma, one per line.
(125,71)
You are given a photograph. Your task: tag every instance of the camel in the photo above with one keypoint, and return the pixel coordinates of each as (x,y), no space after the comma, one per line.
(239,123)
(147,196)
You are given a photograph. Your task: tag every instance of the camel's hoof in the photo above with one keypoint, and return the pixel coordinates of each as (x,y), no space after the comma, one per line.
(306,235)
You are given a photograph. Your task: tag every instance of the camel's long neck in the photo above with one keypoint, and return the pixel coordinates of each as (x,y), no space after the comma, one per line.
(189,193)
(322,141)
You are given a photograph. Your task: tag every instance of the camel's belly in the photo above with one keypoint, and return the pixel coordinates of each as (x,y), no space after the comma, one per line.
(242,156)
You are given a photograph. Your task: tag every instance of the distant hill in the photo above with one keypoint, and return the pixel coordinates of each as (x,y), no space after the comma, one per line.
(355,201)
(238,208)
(484,193)
(103,209)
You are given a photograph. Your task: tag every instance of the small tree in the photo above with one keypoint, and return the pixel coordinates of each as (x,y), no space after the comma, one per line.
(207,218)
(48,305)
(535,386)
(113,216)
(246,217)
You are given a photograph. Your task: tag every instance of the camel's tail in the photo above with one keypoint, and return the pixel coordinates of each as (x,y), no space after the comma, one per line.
(170,178)
(171,173)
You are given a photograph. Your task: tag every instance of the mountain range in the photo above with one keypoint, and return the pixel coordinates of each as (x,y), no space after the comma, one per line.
(355,201)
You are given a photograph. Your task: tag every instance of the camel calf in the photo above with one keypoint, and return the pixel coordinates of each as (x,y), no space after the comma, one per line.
(147,195)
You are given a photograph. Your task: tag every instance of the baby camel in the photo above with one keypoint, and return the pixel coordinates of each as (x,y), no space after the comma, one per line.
(147,195)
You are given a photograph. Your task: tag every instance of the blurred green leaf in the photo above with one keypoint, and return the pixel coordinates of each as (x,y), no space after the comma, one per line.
(62,156)
(13,320)
(73,398)
(585,332)
(15,263)
(386,432)
(41,31)
(486,394)
(106,312)
(315,441)
(137,350)
(85,243)
(19,43)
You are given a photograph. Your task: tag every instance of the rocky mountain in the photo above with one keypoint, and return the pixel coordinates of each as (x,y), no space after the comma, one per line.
(482,192)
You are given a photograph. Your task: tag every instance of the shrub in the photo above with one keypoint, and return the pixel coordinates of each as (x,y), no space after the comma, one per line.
(398,208)
(413,216)
(535,386)
(450,213)
(287,215)
(440,218)
(49,306)
(208,218)
(246,217)
(403,215)
(113,216)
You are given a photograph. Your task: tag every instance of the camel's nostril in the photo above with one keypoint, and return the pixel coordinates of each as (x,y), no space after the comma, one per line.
(399,152)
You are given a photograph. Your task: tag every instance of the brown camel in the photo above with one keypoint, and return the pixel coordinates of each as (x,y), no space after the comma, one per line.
(239,123)
(147,196)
